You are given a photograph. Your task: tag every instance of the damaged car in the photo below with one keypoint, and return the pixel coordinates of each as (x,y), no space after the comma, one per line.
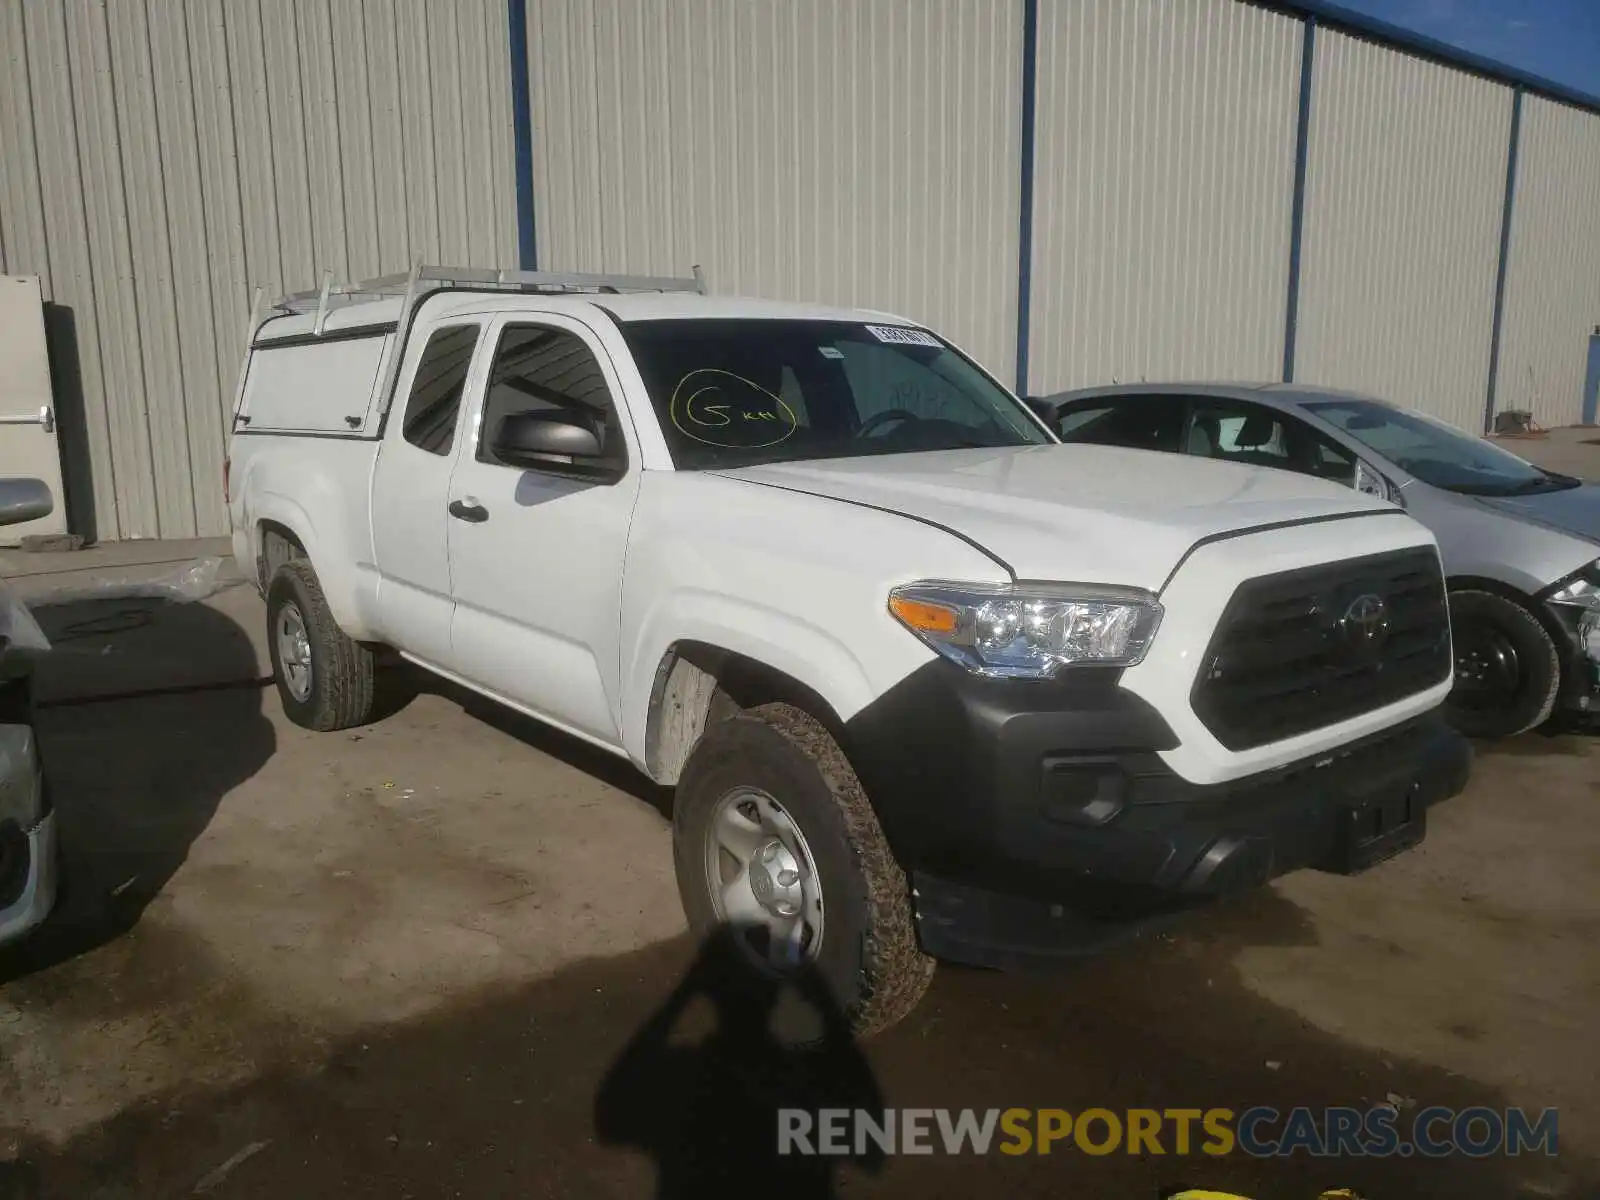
(1520,544)
(28,855)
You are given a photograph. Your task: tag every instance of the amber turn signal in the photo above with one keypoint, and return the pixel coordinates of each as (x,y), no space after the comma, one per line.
(923,616)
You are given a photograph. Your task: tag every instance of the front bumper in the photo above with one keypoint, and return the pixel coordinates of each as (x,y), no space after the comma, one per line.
(1580,653)
(28,876)
(1041,819)
(28,857)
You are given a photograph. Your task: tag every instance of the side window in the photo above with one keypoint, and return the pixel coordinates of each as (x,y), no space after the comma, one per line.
(1238,432)
(538,369)
(1084,418)
(435,399)
(1135,422)
(1324,459)
(1263,437)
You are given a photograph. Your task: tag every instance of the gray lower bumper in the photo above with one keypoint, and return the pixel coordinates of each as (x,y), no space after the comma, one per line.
(38,894)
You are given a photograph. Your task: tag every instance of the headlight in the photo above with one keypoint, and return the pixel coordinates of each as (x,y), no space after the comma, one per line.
(1028,631)
(1582,590)
(1589,635)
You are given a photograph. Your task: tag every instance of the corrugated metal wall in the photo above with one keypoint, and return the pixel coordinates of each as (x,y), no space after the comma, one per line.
(855,153)
(164,157)
(1164,181)
(1552,301)
(1405,184)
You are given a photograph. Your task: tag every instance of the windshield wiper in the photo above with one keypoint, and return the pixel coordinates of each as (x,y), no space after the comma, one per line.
(1549,481)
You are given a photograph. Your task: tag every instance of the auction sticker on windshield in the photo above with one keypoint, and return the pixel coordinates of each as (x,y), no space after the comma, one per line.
(903,337)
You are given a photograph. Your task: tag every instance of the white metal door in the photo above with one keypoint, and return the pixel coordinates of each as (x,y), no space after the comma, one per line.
(29,445)
(536,556)
(410,489)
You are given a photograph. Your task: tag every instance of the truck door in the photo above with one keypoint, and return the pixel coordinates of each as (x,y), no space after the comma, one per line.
(536,553)
(410,490)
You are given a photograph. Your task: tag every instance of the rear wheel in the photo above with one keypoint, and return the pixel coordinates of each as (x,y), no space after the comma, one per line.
(325,679)
(1508,671)
(774,837)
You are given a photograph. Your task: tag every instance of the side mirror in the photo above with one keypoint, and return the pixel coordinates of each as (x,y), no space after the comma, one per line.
(24,500)
(1043,409)
(1371,482)
(533,437)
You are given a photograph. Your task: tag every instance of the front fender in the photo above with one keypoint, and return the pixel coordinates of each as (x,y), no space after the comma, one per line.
(782,641)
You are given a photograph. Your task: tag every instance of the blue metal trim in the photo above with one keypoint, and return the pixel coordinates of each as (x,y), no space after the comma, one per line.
(1362,25)
(1505,253)
(1030,89)
(1297,216)
(522,132)
(1591,382)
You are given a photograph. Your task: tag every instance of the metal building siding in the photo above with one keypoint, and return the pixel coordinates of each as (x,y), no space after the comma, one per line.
(1552,298)
(860,154)
(98,143)
(57,249)
(1405,186)
(1163,188)
(162,158)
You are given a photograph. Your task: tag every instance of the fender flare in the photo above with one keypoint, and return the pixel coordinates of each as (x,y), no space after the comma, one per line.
(804,652)
(338,587)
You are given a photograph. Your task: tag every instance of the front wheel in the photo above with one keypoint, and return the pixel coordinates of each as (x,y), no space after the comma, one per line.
(1508,671)
(774,837)
(325,679)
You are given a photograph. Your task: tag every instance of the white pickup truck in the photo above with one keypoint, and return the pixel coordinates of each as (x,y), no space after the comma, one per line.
(927,682)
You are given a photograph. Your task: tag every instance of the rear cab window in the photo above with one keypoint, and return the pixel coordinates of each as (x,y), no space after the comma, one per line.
(434,402)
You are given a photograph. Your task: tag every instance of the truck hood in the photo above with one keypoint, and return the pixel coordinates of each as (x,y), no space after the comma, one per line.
(1073,513)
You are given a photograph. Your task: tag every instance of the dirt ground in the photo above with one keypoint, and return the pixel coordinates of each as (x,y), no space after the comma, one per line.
(404,961)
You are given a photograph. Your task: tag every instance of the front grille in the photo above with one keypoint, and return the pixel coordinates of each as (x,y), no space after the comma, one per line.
(1310,648)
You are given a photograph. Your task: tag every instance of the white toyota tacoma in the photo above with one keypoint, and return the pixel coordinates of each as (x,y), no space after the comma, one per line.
(927,682)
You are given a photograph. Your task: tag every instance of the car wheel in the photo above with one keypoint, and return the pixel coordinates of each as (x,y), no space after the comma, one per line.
(1508,671)
(774,838)
(325,679)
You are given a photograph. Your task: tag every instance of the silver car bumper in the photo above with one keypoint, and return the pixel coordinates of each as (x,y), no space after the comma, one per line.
(38,894)
(28,863)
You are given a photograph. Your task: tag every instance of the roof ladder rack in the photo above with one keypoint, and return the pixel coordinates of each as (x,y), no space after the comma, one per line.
(422,278)
(422,281)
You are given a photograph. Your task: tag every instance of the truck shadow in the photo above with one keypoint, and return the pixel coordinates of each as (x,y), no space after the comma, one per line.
(149,713)
(606,1079)
(399,683)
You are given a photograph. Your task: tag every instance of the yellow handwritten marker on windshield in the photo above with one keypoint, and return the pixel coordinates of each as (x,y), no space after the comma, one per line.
(696,417)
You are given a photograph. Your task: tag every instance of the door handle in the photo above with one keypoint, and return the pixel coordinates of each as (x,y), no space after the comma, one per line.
(476,513)
(45,418)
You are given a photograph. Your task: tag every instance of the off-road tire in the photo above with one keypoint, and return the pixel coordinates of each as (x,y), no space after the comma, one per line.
(342,690)
(869,955)
(1537,657)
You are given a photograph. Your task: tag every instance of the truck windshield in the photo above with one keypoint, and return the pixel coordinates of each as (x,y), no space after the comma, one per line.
(1436,453)
(734,393)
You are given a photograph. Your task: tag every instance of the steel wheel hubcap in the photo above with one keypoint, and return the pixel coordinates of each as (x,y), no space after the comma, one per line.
(294,652)
(1487,668)
(763,880)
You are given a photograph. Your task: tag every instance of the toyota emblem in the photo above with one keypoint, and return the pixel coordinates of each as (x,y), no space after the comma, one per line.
(1365,623)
